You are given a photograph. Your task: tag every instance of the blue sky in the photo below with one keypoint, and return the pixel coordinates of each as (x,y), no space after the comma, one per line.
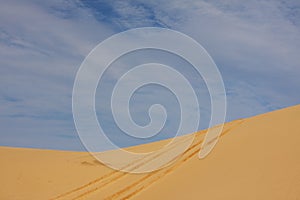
(255,44)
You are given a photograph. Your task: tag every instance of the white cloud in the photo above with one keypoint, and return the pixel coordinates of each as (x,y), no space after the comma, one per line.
(254,43)
(40,52)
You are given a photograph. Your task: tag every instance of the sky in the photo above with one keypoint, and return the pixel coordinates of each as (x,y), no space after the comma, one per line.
(255,45)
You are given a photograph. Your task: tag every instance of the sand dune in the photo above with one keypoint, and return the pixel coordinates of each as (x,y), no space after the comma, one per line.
(255,158)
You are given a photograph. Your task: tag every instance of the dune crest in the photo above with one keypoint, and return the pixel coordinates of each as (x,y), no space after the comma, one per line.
(255,158)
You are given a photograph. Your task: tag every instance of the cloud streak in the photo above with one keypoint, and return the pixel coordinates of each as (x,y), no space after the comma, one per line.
(255,44)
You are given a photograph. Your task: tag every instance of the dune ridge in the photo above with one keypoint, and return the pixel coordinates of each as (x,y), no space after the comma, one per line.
(255,158)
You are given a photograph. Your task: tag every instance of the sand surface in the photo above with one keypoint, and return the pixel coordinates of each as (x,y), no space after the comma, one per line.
(255,158)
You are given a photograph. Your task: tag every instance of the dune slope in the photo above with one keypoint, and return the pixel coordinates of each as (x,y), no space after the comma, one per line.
(255,158)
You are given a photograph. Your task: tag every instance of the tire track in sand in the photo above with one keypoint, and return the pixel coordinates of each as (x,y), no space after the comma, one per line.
(141,184)
(107,178)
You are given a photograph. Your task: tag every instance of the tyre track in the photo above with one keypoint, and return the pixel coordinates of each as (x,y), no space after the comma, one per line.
(99,183)
(115,172)
(141,164)
(164,172)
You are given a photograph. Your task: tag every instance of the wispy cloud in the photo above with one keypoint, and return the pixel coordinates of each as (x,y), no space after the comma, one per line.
(41,50)
(42,44)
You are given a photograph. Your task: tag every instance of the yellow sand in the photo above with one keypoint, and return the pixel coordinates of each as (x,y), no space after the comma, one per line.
(256,158)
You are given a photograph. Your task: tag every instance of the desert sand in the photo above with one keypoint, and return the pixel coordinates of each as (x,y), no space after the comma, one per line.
(255,158)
